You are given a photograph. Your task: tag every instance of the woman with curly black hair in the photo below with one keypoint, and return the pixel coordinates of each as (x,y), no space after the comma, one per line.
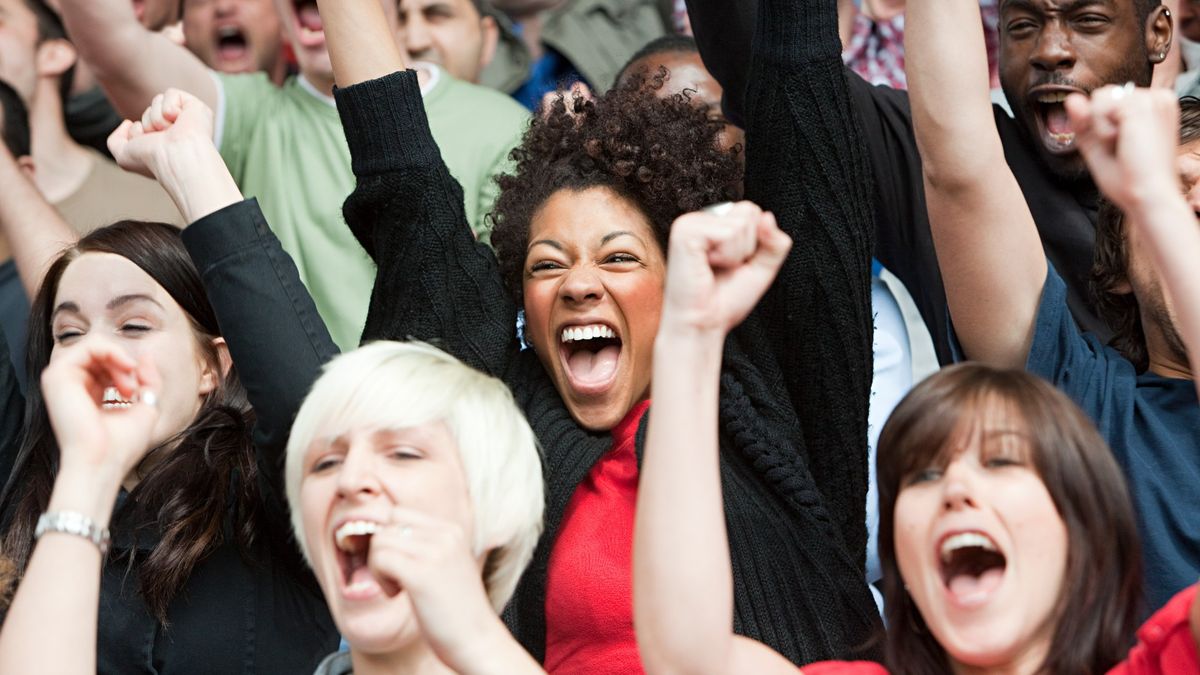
(580,232)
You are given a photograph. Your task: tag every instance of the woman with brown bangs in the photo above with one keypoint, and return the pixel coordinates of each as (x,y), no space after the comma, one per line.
(1007,539)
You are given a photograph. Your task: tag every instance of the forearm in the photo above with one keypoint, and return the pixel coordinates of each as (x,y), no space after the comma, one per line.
(494,651)
(132,63)
(683,584)
(197,180)
(361,43)
(61,586)
(948,86)
(988,247)
(35,231)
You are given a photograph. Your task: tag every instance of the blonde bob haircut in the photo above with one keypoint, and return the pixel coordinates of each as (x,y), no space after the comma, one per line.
(398,385)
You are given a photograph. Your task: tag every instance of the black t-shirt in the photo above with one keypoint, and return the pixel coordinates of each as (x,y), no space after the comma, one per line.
(14,314)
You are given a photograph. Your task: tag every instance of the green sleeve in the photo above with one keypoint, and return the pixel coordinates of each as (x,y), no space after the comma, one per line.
(246,99)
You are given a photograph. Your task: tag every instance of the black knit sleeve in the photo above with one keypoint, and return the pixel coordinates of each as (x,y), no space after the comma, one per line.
(12,412)
(435,282)
(275,336)
(807,163)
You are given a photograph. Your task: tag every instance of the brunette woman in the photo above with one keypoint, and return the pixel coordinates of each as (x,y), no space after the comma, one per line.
(200,573)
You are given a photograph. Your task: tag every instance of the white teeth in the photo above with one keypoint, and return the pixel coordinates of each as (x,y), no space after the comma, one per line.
(966,540)
(591,332)
(353,528)
(112,399)
(1056,97)
(307,33)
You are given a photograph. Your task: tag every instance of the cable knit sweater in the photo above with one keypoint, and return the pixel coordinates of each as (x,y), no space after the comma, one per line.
(796,376)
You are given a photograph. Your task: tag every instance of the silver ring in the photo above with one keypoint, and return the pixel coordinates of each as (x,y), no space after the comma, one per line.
(719,209)
(148,397)
(1123,91)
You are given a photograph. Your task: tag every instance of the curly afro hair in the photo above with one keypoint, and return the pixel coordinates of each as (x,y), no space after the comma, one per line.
(661,154)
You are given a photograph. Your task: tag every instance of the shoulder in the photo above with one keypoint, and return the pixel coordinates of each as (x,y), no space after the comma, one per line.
(1165,643)
(337,663)
(448,92)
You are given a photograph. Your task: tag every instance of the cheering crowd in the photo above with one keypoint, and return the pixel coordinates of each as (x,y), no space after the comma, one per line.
(599,336)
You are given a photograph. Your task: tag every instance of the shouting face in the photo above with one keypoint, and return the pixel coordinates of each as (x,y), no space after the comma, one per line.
(1051,48)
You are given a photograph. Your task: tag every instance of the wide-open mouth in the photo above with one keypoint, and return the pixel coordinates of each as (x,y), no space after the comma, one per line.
(352,542)
(308,21)
(112,400)
(590,355)
(1053,124)
(231,43)
(972,566)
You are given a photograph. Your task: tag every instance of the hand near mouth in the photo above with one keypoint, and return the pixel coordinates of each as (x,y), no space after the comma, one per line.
(431,560)
(96,437)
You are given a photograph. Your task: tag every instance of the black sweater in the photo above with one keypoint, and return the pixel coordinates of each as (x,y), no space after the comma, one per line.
(796,376)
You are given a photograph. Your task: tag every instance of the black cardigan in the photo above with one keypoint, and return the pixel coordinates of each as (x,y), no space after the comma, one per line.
(1065,212)
(796,377)
(264,614)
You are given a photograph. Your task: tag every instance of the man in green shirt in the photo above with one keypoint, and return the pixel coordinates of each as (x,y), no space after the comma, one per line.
(285,145)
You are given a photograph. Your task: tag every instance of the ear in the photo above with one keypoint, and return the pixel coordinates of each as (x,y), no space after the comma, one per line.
(1160,30)
(491,37)
(55,57)
(211,377)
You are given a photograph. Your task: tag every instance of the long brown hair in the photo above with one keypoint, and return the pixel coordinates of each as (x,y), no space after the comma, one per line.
(1098,606)
(186,493)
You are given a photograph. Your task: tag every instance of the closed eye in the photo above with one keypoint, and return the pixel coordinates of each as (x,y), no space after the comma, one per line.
(925,476)
(325,464)
(544,265)
(66,336)
(621,258)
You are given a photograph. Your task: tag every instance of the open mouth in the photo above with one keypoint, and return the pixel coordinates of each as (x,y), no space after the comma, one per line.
(308,20)
(352,541)
(231,43)
(111,400)
(1057,133)
(972,567)
(590,354)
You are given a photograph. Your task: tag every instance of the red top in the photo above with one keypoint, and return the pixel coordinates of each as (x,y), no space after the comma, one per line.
(1165,646)
(589,583)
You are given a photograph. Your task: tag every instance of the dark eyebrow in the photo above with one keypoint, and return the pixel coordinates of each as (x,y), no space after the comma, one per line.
(122,300)
(64,307)
(619,233)
(548,242)
(1030,6)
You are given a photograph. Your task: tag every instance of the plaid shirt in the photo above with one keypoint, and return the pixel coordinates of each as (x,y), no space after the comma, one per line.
(876,49)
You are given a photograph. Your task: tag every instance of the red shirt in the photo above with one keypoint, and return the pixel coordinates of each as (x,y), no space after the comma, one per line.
(589,583)
(1165,646)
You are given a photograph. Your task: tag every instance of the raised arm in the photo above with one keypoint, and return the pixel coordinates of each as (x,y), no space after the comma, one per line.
(988,247)
(275,336)
(683,582)
(34,230)
(806,163)
(132,63)
(435,281)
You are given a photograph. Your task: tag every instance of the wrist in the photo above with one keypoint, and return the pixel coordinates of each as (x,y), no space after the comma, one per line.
(676,333)
(86,491)
(195,176)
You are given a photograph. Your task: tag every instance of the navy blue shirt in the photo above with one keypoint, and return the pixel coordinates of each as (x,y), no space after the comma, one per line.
(1152,424)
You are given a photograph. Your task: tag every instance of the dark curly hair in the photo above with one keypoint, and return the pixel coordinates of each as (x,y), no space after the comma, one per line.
(660,154)
(1109,279)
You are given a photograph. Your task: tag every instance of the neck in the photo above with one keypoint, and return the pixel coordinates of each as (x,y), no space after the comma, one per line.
(415,659)
(62,164)
(531,33)
(1167,353)
(322,82)
(1028,662)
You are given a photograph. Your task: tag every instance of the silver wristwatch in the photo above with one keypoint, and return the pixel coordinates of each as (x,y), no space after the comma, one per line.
(73,522)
